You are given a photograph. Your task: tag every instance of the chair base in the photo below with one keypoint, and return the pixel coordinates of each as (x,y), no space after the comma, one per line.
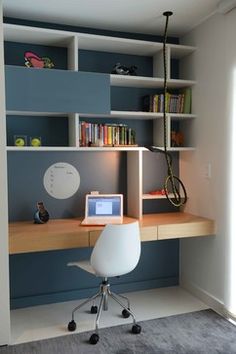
(104,293)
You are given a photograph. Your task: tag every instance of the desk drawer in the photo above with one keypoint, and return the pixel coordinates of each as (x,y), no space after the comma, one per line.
(187,229)
(37,243)
(93,236)
(148,233)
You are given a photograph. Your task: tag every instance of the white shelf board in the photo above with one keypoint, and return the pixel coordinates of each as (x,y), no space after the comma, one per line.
(36,114)
(41,148)
(104,149)
(125,115)
(36,35)
(151,196)
(76,149)
(147,82)
(178,51)
(112,114)
(158,196)
(190,148)
(117,44)
(178,83)
(45,36)
(138,115)
(135,81)
(89,149)
(181,116)
(175,148)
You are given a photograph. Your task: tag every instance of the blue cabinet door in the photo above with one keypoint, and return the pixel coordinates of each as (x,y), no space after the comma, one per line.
(46,90)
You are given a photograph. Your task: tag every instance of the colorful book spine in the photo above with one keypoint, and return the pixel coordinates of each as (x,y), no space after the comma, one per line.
(175,103)
(92,134)
(109,135)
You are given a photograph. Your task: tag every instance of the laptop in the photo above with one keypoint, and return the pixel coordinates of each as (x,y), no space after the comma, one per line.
(103,209)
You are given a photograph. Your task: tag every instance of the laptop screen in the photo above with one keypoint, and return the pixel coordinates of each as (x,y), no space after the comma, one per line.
(104,206)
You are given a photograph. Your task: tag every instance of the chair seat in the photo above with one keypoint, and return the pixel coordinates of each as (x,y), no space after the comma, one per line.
(85,265)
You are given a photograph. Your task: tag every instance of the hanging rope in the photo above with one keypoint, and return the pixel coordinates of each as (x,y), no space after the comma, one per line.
(172,183)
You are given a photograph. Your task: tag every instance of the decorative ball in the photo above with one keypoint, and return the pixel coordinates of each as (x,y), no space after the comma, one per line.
(20,142)
(35,142)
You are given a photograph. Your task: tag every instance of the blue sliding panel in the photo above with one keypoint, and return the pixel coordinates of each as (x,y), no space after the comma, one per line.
(48,90)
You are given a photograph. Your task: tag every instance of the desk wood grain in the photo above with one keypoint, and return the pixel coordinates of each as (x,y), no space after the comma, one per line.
(54,235)
(59,234)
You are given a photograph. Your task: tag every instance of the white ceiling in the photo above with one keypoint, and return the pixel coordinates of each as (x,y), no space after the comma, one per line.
(139,16)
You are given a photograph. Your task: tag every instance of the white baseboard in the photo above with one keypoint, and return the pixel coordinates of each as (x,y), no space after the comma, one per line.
(210,300)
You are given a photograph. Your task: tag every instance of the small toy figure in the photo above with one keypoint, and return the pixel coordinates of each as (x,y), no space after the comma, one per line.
(124,70)
(32,60)
(158,192)
(177,139)
(41,216)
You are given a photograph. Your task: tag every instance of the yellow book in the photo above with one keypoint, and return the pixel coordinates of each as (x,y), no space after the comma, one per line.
(109,135)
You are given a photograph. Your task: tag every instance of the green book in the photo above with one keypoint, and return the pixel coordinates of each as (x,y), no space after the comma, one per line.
(187,100)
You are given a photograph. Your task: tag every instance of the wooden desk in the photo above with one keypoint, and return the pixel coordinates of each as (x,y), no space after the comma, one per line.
(60,234)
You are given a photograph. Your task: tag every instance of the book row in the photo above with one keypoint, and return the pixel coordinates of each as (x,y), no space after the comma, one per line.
(92,134)
(175,103)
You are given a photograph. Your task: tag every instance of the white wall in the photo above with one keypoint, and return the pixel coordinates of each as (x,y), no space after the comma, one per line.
(204,260)
(230,272)
(4,272)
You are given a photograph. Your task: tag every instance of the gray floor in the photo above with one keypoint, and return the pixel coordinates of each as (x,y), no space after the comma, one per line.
(193,333)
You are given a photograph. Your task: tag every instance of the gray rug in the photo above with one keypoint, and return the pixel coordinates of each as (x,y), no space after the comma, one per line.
(193,333)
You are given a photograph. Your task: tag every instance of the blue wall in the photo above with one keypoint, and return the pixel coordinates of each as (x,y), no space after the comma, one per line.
(14,54)
(43,127)
(38,278)
(102,171)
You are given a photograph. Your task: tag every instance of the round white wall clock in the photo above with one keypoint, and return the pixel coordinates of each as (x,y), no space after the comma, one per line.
(61,180)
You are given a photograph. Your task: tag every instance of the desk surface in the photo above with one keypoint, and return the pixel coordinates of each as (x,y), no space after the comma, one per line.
(68,233)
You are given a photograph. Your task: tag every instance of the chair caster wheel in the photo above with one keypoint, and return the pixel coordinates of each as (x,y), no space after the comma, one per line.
(136,329)
(125,313)
(94,309)
(94,338)
(71,326)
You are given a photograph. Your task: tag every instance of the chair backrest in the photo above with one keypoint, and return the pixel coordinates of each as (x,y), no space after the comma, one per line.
(117,250)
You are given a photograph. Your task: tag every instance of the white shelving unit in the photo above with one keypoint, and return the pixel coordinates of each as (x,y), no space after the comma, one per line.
(43,36)
(74,42)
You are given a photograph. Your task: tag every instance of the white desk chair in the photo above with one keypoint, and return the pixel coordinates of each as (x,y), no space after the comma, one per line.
(116,252)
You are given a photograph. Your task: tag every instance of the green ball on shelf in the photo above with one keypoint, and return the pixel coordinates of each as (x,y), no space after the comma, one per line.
(35,142)
(20,142)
